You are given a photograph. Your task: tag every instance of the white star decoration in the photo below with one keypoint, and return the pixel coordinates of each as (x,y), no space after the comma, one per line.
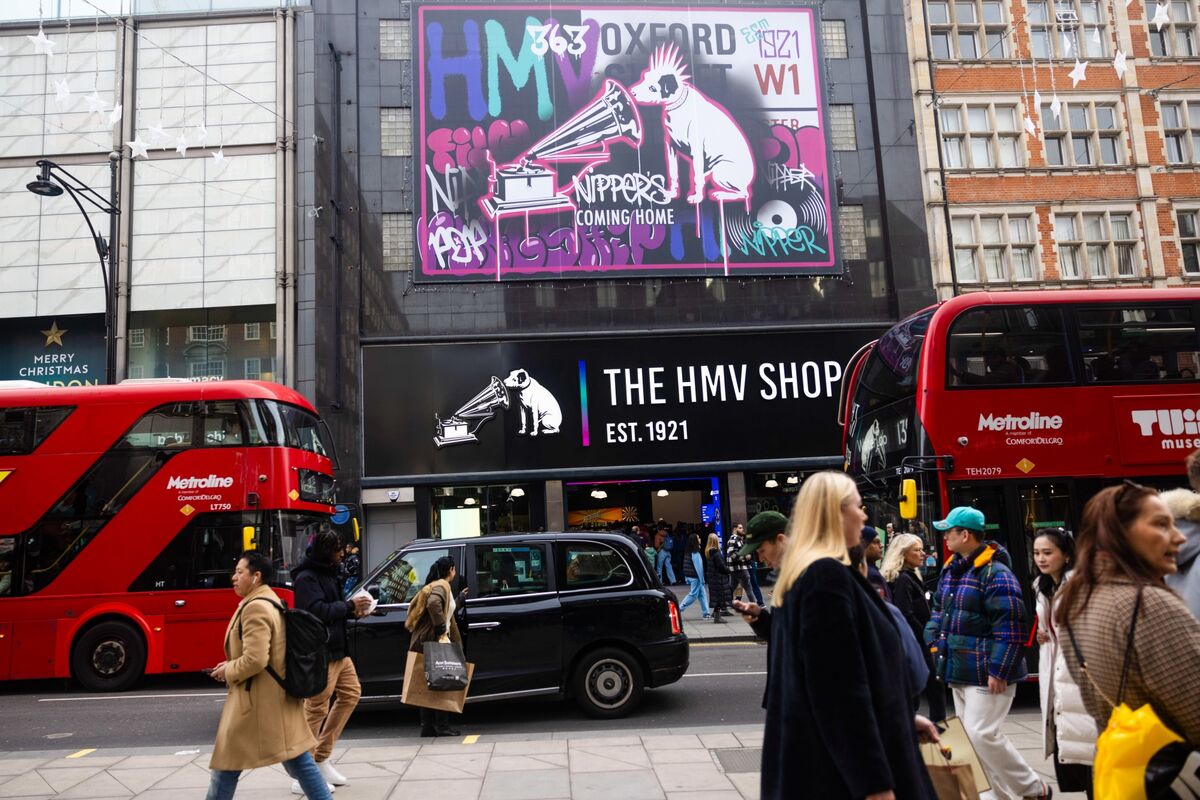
(1162,15)
(1056,107)
(95,103)
(137,147)
(1079,74)
(201,134)
(157,136)
(115,116)
(181,144)
(1030,128)
(219,157)
(62,91)
(1119,64)
(41,44)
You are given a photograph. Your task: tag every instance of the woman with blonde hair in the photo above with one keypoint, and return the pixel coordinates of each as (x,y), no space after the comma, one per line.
(902,571)
(840,718)
(717,573)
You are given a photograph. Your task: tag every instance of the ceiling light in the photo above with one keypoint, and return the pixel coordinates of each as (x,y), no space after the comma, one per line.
(600,494)
(517,492)
(793,479)
(663,493)
(470,501)
(771,483)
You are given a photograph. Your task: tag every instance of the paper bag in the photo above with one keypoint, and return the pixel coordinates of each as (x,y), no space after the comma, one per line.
(952,781)
(962,753)
(416,691)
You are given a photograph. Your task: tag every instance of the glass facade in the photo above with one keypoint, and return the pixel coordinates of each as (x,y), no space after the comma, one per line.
(202,344)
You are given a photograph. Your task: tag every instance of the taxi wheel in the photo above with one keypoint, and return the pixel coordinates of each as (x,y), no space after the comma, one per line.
(109,657)
(608,683)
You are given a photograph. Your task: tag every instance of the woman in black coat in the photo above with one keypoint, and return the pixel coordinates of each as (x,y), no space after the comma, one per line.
(905,554)
(716,573)
(840,718)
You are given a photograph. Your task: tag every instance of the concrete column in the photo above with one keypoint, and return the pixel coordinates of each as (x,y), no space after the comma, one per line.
(737,497)
(556,513)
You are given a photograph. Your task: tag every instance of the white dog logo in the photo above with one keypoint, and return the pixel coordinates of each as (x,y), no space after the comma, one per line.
(540,412)
(698,128)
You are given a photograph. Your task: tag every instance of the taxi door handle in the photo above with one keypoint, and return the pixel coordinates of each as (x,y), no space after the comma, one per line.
(472,626)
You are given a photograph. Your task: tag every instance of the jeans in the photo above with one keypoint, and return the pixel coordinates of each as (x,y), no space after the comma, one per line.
(696,590)
(754,587)
(302,768)
(662,561)
(327,723)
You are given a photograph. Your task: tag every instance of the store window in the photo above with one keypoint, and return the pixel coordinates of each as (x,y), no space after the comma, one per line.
(203,344)
(772,491)
(465,511)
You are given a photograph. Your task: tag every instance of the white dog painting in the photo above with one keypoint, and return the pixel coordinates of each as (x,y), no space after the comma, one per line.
(540,412)
(698,128)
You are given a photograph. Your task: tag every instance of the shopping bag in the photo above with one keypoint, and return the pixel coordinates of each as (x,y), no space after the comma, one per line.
(1138,756)
(445,666)
(954,738)
(950,781)
(416,691)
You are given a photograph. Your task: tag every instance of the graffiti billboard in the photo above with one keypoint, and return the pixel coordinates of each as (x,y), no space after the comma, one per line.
(570,141)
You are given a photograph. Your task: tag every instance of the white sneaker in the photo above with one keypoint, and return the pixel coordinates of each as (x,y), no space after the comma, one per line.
(297,790)
(331,775)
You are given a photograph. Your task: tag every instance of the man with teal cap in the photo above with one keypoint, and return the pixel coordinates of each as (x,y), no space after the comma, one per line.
(977,635)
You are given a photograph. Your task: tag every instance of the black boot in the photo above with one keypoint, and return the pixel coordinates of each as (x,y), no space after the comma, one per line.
(428,722)
(441,724)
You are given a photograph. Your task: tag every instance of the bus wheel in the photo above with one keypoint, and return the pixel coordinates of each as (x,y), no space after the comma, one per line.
(109,657)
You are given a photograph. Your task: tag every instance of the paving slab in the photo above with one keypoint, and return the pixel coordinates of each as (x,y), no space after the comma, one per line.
(529,748)
(19,766)
(139,780)
(438,790)
(360,754)
(671,742)
(101,785)
(450,765)
(64,778)
(534,762)
(697,755)
(189,776)
(549,784)
(692,778)
(641,784)
(27,785)
(608,758)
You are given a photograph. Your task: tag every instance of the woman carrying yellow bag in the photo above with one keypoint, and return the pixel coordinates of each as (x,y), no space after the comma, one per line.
(1135,647)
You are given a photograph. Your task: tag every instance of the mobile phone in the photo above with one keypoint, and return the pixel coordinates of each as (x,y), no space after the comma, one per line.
(207,671)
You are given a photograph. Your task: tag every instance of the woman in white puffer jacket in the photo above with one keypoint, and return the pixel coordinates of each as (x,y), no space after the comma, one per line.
(1068,730)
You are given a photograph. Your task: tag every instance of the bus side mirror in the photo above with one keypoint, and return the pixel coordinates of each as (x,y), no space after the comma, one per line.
(248,542)
(908,498)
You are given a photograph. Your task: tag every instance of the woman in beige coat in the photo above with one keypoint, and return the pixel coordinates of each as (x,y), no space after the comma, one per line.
(432,616)
(260,723)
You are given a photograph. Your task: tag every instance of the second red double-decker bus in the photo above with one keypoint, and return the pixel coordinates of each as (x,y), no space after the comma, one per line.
(1024,404)
(124,509)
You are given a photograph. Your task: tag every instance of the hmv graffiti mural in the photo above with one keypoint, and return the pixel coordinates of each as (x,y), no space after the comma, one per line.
(649,141)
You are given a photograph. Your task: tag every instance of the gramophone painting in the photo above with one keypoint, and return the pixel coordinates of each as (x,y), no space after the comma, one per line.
(539,410)
(620,141)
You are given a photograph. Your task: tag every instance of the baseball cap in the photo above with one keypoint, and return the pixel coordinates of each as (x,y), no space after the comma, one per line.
(762,527)
(961,517)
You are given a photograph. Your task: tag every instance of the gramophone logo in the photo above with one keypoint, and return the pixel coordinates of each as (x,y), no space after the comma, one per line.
(540,411)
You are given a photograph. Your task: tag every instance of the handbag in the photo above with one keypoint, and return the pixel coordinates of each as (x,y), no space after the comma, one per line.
(950,781)
(1137,755)
(445,666)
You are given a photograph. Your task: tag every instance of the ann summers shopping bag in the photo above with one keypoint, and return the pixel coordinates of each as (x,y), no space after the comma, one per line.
(445,666)
(416,691)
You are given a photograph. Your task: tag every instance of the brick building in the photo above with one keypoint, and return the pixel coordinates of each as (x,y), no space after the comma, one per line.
(1105,192)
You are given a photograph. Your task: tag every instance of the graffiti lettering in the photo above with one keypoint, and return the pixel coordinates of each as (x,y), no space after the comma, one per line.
(779,44)
(780,176)
(469,66)
(633,188)
(696,38)
(519,69)
(464,245)
(546,38)
(462,148)
(779,241)
(751,32)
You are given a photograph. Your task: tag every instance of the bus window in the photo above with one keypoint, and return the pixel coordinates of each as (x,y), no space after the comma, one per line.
(1138,344)
(8,564)
(294,427)
(222,424)
(166,426)
(890,374)
(23,429)
(1008,346)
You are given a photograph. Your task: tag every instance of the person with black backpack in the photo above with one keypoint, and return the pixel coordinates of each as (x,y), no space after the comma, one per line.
(318,588)
(262,722)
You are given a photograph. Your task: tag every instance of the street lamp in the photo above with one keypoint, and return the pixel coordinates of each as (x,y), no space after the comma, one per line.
(51,182)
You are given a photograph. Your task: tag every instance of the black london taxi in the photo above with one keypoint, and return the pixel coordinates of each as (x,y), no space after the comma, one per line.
(572,615)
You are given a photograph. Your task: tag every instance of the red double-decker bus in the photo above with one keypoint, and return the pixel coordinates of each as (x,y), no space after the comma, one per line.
(1024,404)
(124,509)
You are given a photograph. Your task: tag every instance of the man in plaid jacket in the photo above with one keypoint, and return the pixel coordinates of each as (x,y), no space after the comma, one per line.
(977,635)
(743,566)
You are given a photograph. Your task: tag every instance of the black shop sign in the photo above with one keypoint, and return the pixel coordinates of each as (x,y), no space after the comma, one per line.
(596,402)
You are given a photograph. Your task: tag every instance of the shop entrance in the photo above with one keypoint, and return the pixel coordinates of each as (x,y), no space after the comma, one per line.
(688,504)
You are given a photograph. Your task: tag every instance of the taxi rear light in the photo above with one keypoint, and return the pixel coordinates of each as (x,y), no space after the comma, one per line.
(673,615)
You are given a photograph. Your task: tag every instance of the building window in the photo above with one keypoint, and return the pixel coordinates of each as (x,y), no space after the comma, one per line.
(1178,36)
(272,330)
(1067,29)
(251,331)
(853,229)
(1096,246)
(994,249)
(1189,241)
(1087,134)
(968,29)
(395,129)
(253,369)
(981,136)
(833,37)
(841,127)
(207,370)
(206,333)
(137,371)
(137,337)
(397,242)
(395,39)
(1181,131)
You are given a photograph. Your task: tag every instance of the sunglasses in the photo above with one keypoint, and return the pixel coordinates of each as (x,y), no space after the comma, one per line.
(1126,485)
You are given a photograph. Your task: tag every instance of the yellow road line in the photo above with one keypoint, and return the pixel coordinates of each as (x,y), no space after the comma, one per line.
(82,753)
(472,739)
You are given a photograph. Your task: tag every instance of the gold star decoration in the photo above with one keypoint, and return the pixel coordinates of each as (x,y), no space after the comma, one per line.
(54,335)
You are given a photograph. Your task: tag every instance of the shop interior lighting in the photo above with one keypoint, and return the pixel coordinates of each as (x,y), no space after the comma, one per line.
(469,501)
(771,483)
(663,493)
(600,494)
(517,492)
(793,479)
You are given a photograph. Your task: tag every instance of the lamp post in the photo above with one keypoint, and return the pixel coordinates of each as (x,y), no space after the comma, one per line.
(51,182)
